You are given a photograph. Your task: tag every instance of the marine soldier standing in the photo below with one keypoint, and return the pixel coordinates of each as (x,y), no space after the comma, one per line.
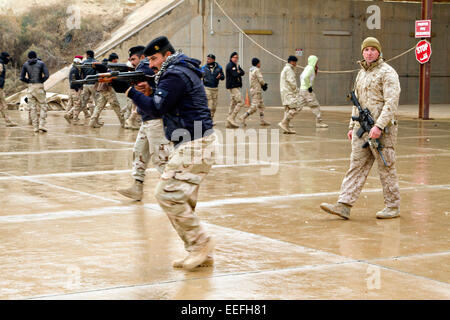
(377,88)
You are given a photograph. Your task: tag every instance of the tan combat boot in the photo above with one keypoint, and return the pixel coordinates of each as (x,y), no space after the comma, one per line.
(388,213)
(94,123)
(321,124)
(231,123)
(243,118)
(198,257)
(285,126)
(9,123)
(340,209)
(68,118)
(209,262)
(134,192)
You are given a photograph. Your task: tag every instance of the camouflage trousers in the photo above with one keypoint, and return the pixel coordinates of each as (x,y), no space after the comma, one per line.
(87,93)
(236,101)
(304,99)
(151,145)
(257,103)
(104,97)
(178,187)
(212,95)
(4,107)
(74,106)
(361,161)
(309,99)
(37,104)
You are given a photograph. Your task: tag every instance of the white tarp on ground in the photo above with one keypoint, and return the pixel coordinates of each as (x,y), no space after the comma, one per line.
(55,101)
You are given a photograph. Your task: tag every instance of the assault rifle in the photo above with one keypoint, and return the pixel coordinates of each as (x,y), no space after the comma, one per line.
(121,81)
(366,123)
(109,65)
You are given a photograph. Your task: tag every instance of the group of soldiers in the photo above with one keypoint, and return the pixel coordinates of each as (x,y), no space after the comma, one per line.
(184,95)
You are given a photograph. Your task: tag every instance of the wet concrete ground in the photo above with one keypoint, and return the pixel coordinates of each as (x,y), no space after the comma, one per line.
(66,234)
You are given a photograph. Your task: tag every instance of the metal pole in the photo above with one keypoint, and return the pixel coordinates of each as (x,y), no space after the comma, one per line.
(425,71)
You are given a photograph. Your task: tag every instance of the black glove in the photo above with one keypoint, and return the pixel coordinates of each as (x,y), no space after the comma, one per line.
(264,87)
(310,89)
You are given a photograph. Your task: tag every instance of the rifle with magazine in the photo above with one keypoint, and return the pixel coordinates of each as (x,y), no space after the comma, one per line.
(366,123)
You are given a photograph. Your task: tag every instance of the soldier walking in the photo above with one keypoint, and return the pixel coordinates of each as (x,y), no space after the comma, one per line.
(378,89)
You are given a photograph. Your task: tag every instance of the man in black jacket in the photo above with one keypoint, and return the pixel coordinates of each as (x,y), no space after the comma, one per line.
(234,84)
(180,100)
(4,59)
(213,73)
(88,89)
(74,106)
(35,73)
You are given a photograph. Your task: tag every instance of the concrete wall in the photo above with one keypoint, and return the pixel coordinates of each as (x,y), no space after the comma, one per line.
(300,24)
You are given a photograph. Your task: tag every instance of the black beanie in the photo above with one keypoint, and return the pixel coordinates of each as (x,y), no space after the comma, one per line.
(90,53)
(255,62)
(292,58)
(211,56)
(32,55)
(233,54)
(113,56)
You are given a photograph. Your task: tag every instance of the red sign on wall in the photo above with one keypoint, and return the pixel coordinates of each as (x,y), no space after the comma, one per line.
(423,28)
(423,51)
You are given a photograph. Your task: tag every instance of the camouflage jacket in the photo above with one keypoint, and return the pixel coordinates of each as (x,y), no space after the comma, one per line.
(378,89)
(288,85)
(256,80)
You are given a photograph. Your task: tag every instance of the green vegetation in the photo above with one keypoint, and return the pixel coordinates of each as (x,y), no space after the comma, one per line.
(44,30)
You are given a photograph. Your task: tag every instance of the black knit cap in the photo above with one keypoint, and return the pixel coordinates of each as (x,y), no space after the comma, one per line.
(157,45)
(4,54)
(292,58)
(113,56)
(138,50)
(211,56)
(32,55)
(255,61)
(90,53)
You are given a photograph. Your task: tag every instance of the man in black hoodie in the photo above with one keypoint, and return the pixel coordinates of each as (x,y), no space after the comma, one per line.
(4,59)
(234,75)
(35,73)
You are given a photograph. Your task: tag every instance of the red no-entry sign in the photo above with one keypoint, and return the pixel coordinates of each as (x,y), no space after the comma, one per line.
(423,51)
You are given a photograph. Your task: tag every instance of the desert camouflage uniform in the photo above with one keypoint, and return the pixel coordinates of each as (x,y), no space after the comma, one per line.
(289,91)
(3,105)
(236,101)
(151,144)
(74,105)
(88,92)
(106,94)
(378,89)
(212,95)
(256,81)
(37,104)
(178,188)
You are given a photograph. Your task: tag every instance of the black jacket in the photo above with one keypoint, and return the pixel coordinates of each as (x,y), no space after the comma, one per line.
(36,70)
(2,74)
(234,79)
(180,100)
(74,74)
(88,71)
(211,73)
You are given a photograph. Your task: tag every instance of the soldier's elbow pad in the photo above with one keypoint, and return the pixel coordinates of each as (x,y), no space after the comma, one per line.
(159,97)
